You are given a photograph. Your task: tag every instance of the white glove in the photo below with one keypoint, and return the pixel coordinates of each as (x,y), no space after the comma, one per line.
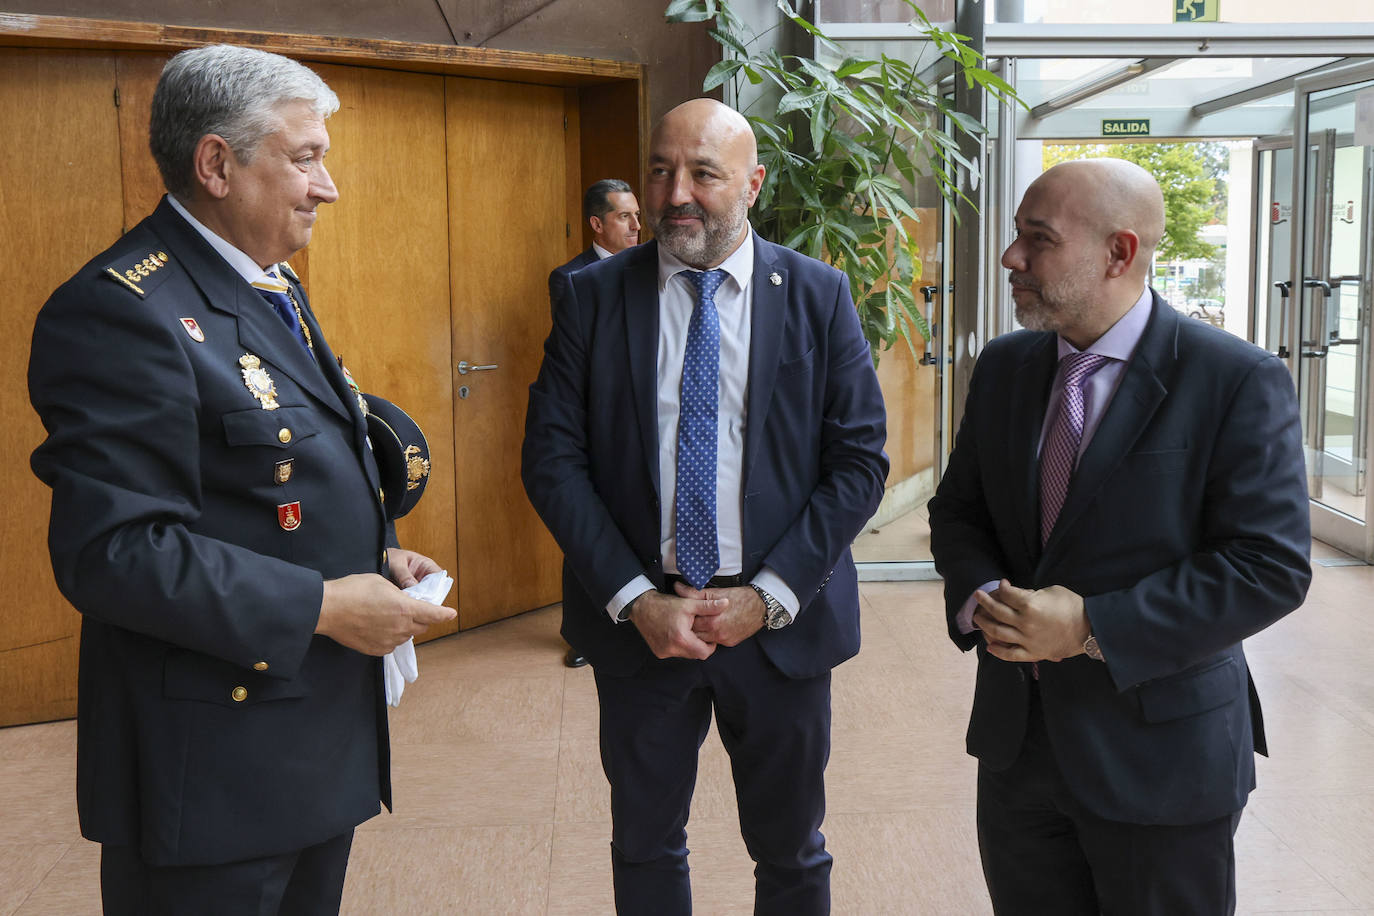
(399,666)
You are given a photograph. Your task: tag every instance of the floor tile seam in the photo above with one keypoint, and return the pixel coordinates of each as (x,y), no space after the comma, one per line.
(1301,684)
(557,778)
(66,848)
(1313,867)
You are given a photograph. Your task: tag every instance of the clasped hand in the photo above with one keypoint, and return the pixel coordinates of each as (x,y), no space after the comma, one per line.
(692,622)
(369,614)
(1031,625)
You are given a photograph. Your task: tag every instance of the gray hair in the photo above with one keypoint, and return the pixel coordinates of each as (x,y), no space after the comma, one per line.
(229,91)
(596,203)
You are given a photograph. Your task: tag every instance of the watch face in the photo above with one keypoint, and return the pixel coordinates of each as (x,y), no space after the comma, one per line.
(778,618)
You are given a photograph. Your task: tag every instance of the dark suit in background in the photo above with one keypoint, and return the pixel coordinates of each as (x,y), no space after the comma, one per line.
(1185,530)
(558,277)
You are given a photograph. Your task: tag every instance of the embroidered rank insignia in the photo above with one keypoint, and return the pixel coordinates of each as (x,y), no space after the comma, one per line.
(775,279)
(193,329)
(281,471)
(289,516)
(259,383)
(417,466)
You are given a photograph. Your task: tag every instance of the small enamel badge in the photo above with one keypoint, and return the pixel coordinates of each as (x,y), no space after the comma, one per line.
(259,383)
(775,279)
(289,516)
(193,329)
(353,386)
(281,471)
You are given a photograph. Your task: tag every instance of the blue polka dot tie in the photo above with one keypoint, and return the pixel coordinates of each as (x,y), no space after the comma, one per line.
(698,554)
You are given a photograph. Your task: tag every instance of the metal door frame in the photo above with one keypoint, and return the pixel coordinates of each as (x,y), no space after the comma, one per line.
(1330,525)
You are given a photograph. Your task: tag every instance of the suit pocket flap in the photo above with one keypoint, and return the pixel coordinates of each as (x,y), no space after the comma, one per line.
(191,676)
(1191,692)
(266,427)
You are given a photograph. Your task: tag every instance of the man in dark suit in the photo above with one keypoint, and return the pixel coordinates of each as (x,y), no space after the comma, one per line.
(704,440)
(610,209)
(1124,504)
(216,519)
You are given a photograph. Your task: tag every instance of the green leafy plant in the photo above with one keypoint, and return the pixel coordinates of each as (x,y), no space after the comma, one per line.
(845,141)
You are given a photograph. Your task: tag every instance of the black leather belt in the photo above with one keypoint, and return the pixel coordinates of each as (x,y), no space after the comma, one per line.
(734,581)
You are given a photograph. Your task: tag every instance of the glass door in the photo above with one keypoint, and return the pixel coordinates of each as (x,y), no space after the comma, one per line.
(1334,128)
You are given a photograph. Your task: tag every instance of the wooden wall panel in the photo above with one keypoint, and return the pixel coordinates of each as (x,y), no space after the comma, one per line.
(610,139)
(136,74)
(59,206)
(910,390)
(379,270)
(507,212)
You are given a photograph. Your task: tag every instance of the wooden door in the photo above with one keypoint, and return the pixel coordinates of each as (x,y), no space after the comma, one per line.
(59,206)
(507,207)
(379,271)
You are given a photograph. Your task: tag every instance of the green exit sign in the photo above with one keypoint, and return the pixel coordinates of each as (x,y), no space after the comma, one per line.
(1196,10)
(1125,127)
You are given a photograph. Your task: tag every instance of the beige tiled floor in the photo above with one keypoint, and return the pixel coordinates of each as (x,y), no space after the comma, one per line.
(501,805)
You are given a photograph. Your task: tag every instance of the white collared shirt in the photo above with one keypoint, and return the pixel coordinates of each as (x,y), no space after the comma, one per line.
(601,253)
(734,305)
(243,265)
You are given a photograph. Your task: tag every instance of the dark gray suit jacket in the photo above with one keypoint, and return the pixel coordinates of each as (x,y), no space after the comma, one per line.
(1186,530)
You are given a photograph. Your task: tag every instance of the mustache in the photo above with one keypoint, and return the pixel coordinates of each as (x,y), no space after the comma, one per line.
(689,209)
(1024,280)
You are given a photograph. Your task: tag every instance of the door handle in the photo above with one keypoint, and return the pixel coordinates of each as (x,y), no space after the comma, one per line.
(464,367)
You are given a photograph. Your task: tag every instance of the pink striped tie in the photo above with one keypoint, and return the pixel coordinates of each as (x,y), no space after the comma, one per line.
(1060,453)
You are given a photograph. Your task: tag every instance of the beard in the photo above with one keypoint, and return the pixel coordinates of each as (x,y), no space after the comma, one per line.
(708,245)
(1062,303)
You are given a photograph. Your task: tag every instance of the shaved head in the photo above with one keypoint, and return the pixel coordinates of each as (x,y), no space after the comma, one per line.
(1087,231)
(704,175)
(1111,195)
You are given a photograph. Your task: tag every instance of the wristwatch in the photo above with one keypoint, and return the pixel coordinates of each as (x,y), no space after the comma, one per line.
(1092,650)
(775,616)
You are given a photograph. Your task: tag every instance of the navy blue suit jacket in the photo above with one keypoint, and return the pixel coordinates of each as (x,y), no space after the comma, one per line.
(558,277)
(166,535)
(813,471)
(1186,530)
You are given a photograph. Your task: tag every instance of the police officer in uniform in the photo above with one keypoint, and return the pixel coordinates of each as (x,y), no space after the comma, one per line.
(217,519)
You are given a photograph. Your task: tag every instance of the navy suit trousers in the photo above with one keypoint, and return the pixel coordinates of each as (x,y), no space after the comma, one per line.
(776,730)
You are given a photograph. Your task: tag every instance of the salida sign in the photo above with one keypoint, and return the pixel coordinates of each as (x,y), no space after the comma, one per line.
(1125,127)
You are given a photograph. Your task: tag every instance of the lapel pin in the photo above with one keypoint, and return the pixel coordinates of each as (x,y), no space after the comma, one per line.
(775,279)
(193,329)
(282,471)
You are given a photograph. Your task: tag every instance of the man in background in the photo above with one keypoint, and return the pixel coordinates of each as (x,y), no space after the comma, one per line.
(1125,502)
(217,519)
(610,208)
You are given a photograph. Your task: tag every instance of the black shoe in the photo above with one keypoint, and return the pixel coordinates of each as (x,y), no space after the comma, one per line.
(574,660)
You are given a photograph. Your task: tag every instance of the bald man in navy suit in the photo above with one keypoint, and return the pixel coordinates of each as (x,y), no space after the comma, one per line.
(705,440)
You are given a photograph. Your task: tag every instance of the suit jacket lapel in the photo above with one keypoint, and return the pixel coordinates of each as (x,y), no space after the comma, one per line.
(640,294)
(1135,402)
(1029,398)
(765,337)
(261,332)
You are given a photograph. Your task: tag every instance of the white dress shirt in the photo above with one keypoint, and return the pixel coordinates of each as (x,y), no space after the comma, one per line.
(677,298)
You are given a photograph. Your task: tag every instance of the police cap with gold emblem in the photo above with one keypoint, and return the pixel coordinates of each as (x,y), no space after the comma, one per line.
(402,455)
